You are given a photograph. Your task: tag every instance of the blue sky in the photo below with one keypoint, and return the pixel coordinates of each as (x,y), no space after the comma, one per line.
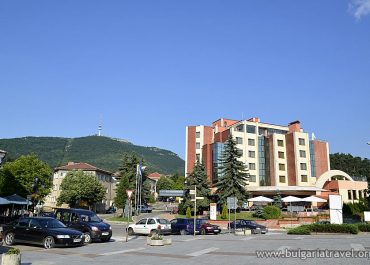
(150,68)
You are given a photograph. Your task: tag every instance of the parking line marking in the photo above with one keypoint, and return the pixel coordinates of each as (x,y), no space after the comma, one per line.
(358,247)
(121,251)
(190,239)
(201,252)
(247,238)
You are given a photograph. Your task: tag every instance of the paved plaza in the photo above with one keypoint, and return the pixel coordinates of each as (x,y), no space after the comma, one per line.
(209,249)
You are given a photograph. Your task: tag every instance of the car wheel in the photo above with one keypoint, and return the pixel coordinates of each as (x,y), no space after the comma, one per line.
(9,239)
(48,242)
(153,232)
(130,231)
(88,238)
(182,232)
(203,232)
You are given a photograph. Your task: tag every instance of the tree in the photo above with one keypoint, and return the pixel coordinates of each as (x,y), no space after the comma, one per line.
(165,183)
(233,177)
(188,212)
(178,182)
(128,172)
(277,200)
(224,212)
(24,172)
(79,186)
(198,177)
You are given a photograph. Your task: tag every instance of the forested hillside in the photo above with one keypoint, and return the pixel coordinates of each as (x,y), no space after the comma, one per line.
(103,152)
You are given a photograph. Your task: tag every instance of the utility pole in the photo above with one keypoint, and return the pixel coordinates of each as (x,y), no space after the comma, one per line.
(194,192)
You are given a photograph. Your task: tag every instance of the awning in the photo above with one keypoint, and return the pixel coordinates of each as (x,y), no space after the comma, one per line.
(260,199)
(16,199)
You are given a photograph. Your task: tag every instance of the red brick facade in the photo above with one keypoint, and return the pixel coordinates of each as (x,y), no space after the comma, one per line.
(321,157)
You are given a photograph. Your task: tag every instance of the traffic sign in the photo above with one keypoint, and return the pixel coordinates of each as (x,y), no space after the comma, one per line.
(231,203)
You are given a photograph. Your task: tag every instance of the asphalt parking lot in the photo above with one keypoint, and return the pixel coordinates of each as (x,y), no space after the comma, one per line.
(209,249)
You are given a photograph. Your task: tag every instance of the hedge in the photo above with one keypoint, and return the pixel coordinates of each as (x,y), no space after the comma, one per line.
(300,230)
(324,228)
(364,227)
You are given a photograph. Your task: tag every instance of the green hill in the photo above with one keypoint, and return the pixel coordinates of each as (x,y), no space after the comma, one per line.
(103,152)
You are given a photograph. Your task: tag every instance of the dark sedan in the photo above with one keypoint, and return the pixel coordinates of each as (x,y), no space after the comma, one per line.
(45,231)
(249,224)
(208,228)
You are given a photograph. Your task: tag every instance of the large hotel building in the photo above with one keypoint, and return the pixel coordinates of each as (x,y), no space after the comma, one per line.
(279,158)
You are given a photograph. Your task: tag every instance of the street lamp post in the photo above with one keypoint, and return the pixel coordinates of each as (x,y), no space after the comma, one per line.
(34,190)
(129,194)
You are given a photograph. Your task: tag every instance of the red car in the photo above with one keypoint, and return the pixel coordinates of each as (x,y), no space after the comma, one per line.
(208,228)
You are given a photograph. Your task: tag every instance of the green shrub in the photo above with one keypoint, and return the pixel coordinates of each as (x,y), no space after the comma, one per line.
(258,212)
(271,212)
(334,228)
(300,230)
(324,228)
(12,251)
(364,227)
(188,212)
(224,212)
(156,237)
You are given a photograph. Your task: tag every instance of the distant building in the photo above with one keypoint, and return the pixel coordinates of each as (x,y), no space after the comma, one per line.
(280,159)
(153,179)
(105,178)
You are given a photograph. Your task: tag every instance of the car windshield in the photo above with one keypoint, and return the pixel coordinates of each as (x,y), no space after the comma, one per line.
(90,218)
(51,223)
(163,221)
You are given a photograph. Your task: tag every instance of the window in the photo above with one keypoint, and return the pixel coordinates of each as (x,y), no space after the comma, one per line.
(349,195)
(151,222)
(251,129)
(301,141)
(282,167)
(354,193)
(240,152)
(252,154)
(197,134)
(251,142)
(197,145)
(141,222)
(252,166)
(282,179)
(302,153)
(252,178)
(198,157)
(360,194)
(303,166)
(280,143)
(239,140)
(281,155)
(304,178)
(239,128)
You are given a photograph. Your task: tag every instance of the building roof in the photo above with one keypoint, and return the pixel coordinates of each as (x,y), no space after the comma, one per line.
(81,166)
(155,176)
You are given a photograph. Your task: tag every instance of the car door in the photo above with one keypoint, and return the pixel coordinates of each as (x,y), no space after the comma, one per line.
(174,226)
(35,232)
(75,222)
(140,227)
(21,230)
(150,225)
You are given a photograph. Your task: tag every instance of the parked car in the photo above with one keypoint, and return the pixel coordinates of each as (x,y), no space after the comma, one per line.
(110,210)
(85,221)
(249,224)
(208,228)
(183,226)
(150,226)
(45,231)
(144,209)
